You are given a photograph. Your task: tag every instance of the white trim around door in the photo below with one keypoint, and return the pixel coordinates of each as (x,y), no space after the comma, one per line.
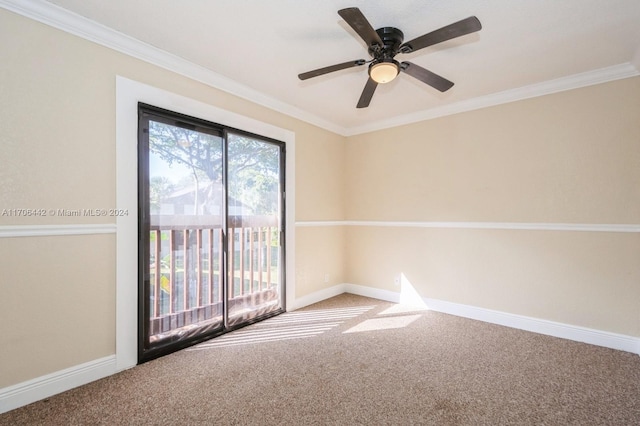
(128,94)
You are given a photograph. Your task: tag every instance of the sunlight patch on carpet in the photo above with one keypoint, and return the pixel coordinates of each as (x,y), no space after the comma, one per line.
(287,326)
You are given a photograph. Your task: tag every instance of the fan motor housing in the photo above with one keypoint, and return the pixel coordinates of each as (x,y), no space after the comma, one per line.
(392,39)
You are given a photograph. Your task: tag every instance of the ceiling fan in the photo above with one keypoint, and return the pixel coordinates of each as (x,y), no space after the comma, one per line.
(387,42)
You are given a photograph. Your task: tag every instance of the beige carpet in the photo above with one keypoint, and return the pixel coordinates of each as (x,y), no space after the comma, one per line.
(351,360)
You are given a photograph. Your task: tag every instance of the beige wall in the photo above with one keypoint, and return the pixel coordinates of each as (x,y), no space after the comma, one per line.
(568,157)
(57,103)
(586,279)
(58,303)
(571,157)
(321,258)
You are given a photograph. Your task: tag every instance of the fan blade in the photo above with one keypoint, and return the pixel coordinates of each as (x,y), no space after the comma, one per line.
(332,68)
(426,76)
(457,29)
(359,23)
(367,93)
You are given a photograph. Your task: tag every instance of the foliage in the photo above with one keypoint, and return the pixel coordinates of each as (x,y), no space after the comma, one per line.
(254,183)
(253,165)
(159,188)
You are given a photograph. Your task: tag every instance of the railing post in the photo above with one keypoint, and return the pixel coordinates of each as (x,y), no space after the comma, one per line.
(231,273)
(251,260)
(260,257)
(220,264)
(172,272)
(157,279)
(269,257)
(210,234)
(241,241)
(185,274)
(198,267)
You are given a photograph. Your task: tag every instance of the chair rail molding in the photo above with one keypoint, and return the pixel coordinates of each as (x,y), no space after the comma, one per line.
(13,231)
(582,227)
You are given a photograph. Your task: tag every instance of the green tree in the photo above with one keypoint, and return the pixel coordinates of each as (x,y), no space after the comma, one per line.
(255,183)
(160,187)
(253,165)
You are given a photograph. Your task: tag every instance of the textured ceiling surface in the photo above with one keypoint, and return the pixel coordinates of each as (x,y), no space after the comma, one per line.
(264,45)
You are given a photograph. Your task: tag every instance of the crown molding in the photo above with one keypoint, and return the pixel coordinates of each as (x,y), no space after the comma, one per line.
(589,78)
(72,23)
(80,26)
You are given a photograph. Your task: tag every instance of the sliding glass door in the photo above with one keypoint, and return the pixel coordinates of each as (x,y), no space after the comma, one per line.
(254,227)
(211,228)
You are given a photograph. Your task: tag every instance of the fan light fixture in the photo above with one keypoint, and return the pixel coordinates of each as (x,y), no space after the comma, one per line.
(384,71)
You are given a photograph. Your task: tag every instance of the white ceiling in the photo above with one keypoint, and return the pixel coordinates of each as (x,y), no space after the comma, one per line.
(263,45)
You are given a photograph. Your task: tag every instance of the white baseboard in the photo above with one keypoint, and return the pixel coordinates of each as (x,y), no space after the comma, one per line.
(565,331)
(375,293)
(43,387)
(318,296)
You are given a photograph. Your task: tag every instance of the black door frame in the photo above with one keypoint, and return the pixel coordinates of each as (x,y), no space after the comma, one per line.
(145,111)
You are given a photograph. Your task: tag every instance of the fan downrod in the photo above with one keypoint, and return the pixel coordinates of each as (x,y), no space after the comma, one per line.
(392,39)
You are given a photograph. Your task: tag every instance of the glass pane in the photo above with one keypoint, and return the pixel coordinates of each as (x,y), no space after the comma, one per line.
(186,207)
(254,206)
